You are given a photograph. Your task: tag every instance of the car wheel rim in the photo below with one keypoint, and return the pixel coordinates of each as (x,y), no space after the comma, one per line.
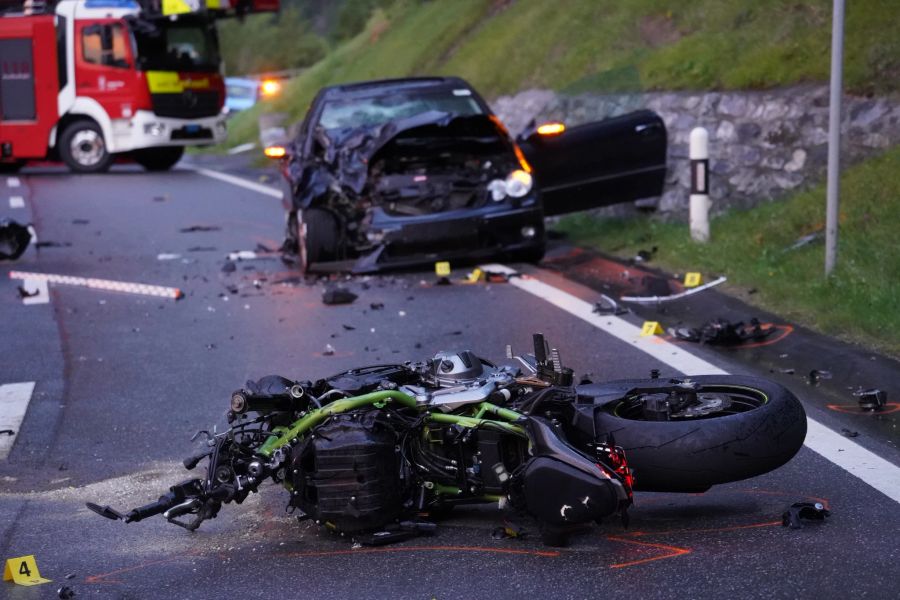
(87,147)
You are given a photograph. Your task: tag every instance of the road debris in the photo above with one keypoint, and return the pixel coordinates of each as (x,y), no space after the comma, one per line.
(229,267)
(508,530)
(7,432)
(721,331)
(167,256)
(645,255)
(872,399)
(200,228)
(608,306)
(14,239)
(348,327)
(848,433)
(651,284)
(817,375)
(376,305)
(65,592)
(401,532)
(202,249)
(329,350)
(338,295)
(798,512)
(23,293)
(52,244)
(805,240)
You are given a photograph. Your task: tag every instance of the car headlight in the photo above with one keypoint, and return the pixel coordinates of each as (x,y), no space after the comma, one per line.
(155,129)
(497,189)
(518,184)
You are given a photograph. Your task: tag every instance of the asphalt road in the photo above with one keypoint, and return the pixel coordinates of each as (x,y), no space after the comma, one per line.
(123,381)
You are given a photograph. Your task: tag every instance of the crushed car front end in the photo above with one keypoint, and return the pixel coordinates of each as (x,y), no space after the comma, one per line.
(417,178)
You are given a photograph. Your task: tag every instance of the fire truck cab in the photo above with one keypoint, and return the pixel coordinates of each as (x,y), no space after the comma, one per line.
(87,81)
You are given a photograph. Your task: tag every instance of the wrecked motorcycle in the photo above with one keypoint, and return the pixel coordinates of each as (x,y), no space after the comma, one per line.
(371,451)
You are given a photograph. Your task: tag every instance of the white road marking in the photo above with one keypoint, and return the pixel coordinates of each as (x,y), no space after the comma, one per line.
(14,399)
(879,473)
(36,285)
(16,202)
(103,284)
(13,182)
(241,182)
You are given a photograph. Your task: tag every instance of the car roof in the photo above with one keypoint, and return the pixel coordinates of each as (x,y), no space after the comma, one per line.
(364,89)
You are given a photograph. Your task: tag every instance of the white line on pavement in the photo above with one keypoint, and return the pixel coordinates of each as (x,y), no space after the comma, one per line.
(36,285)
(879,473)
(241,182)
(16,202)
(14,399)
(13,182)
(102,284)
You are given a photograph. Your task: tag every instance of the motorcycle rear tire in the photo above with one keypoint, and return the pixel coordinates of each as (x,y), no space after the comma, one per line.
(691,455)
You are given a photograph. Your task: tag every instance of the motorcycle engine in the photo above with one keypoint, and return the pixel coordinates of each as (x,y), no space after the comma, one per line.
(348,474)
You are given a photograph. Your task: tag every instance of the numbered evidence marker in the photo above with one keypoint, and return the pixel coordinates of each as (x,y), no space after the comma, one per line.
(442,269)
(651,328)
(23,571)
(692,279)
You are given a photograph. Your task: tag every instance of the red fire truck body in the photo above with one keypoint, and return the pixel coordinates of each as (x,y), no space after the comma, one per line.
(93,80)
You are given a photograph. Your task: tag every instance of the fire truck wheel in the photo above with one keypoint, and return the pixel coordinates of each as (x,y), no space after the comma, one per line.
(82,147)
(159,159)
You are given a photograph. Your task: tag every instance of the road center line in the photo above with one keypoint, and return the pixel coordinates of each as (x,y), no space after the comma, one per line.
(240,182)
(16,202)
(879,473)
(14,399)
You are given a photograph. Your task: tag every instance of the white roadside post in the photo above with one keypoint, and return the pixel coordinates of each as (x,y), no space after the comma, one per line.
(699,155)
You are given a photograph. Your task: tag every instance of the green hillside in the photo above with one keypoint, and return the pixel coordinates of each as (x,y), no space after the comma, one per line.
(502,46)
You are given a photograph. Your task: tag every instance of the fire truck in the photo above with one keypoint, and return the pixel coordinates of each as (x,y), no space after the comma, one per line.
(90,81)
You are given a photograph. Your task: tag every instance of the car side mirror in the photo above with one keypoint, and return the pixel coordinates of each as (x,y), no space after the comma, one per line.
(534,132)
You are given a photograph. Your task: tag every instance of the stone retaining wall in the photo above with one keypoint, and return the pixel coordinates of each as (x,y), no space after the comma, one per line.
(762,144)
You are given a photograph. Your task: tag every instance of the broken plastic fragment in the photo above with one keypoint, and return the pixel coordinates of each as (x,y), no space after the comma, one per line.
(847,433)
(608,306)
(329,350)
(816,375)
(338,295)
(872,399)
(14,239)
(794,516)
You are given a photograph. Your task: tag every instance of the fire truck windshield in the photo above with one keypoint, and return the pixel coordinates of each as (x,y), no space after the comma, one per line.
(187,44)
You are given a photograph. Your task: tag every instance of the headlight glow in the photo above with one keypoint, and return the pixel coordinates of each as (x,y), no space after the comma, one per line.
(518,184)
(497,189)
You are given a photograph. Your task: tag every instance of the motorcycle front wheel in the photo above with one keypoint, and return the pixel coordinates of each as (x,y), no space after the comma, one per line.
(738,427)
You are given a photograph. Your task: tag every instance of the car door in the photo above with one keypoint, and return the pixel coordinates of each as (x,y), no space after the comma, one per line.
(597,164)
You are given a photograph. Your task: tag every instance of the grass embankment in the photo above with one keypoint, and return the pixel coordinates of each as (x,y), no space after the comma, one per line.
(860,302)
(504,46)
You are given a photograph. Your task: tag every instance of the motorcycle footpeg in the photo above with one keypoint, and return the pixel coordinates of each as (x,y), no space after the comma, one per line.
(105,511)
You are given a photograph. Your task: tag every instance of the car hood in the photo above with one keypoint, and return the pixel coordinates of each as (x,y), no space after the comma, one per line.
(348,154)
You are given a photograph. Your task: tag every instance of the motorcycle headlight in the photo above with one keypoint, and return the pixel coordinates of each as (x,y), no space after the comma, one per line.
(497,189)
(518,184)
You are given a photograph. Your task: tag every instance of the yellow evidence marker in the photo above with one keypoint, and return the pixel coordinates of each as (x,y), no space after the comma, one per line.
(476,275)
(651,328)
(23,571)
(692,280)
(442,269)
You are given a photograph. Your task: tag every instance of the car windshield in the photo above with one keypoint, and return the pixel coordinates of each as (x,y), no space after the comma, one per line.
(183,45)
(242,91)
(378,110)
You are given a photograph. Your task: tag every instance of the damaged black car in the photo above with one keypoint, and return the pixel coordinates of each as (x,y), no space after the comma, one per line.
(397,173)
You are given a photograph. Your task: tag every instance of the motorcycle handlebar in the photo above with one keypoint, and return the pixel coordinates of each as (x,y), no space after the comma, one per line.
(164,503)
